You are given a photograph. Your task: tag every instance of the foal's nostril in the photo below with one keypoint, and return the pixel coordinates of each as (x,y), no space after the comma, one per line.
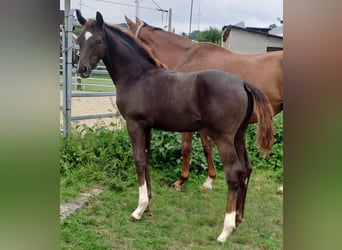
(82,69)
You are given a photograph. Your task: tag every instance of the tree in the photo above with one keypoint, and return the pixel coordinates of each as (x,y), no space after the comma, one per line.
(194,34)
(211,35)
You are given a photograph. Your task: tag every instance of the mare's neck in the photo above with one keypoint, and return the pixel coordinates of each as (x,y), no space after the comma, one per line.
(122,61)
(166,46)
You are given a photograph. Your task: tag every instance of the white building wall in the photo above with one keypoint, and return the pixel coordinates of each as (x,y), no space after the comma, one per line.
(244,42)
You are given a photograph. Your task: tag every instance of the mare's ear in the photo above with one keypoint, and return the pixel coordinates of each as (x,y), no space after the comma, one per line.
(99,19)
(129,22)
(137,20)
(80,18)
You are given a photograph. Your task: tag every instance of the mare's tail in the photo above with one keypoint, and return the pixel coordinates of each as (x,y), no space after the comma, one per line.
(264,113)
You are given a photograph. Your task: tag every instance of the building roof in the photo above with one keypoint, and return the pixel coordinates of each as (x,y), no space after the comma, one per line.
(276,32)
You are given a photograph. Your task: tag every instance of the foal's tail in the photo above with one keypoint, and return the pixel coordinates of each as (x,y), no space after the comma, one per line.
(264,113)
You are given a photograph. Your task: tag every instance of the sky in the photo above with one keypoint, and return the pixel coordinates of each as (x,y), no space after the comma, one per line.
(205,13)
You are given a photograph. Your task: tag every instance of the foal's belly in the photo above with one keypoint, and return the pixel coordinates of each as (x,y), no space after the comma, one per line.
(183,123)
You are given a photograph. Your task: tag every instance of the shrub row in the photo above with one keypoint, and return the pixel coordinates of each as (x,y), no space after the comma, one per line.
(111,151)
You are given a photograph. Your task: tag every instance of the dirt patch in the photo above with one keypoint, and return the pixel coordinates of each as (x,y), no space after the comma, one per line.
(68,208)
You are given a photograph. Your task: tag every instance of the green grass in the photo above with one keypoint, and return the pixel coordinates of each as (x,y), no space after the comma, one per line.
(98,79)
(93,81)
(178,220)
(191,219)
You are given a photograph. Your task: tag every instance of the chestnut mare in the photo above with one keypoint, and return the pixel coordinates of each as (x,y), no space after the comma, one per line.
(264,71)
(149,96)
(75,55)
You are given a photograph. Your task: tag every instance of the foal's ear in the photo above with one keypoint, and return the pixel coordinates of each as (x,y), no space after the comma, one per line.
(99,19)
(129,22)
(80,18)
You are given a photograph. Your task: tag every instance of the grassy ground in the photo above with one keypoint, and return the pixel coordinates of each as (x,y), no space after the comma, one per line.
(178,220)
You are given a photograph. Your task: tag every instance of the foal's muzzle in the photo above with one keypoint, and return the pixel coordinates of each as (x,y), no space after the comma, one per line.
(84,71)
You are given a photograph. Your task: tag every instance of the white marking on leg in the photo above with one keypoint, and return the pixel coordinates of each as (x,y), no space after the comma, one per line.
(87,35)
(228,228)
(143,202)
(280,190)
(208,183)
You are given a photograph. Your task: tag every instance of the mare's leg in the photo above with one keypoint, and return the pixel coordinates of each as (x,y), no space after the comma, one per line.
(186,149)
(233,172)
(138,137)
(207,148)
(244,180)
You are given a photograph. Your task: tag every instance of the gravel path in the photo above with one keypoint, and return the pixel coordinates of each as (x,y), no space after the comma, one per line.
(91,105)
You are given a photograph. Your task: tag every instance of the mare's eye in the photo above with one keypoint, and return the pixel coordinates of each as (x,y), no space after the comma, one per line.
(98,41)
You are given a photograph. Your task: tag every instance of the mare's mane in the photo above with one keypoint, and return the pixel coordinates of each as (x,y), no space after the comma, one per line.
(207,44)
(152,27)
(160,29)
(136,44)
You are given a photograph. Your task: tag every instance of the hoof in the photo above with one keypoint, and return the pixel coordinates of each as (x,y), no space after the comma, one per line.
(133,218)
(224,235)
(280,190)
(206,187)
(208,184)
(177,186)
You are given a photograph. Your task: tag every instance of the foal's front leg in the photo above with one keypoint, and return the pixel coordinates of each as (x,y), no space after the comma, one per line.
(139,137)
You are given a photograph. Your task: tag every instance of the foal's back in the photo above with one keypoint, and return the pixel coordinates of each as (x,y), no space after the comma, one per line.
(197,99)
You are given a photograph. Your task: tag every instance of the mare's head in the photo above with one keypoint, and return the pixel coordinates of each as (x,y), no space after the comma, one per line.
(134,26)
(92,43)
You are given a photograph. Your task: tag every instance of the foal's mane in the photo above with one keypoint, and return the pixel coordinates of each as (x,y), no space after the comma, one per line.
(143,49)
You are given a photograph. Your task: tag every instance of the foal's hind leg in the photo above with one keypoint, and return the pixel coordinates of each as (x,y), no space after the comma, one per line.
(139,137)
(233,172)
(245,163)
(207,148)
(147,169)
(186,149)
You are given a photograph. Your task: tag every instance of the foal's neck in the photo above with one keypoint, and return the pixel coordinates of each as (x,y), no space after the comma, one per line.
(122,59)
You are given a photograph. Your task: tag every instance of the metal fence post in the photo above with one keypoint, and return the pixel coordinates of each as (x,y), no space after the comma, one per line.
(67,71)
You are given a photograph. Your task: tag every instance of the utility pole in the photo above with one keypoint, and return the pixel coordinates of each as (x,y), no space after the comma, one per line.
(192,1)
(170,21)
(137,8)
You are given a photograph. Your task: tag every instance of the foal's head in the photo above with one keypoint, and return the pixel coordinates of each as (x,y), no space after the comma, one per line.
(92,43)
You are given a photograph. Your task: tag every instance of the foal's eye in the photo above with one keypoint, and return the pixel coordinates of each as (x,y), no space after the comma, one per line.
(98,41)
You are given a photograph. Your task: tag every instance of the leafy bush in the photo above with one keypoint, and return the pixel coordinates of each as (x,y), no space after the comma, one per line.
(110,151)
(275,159)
